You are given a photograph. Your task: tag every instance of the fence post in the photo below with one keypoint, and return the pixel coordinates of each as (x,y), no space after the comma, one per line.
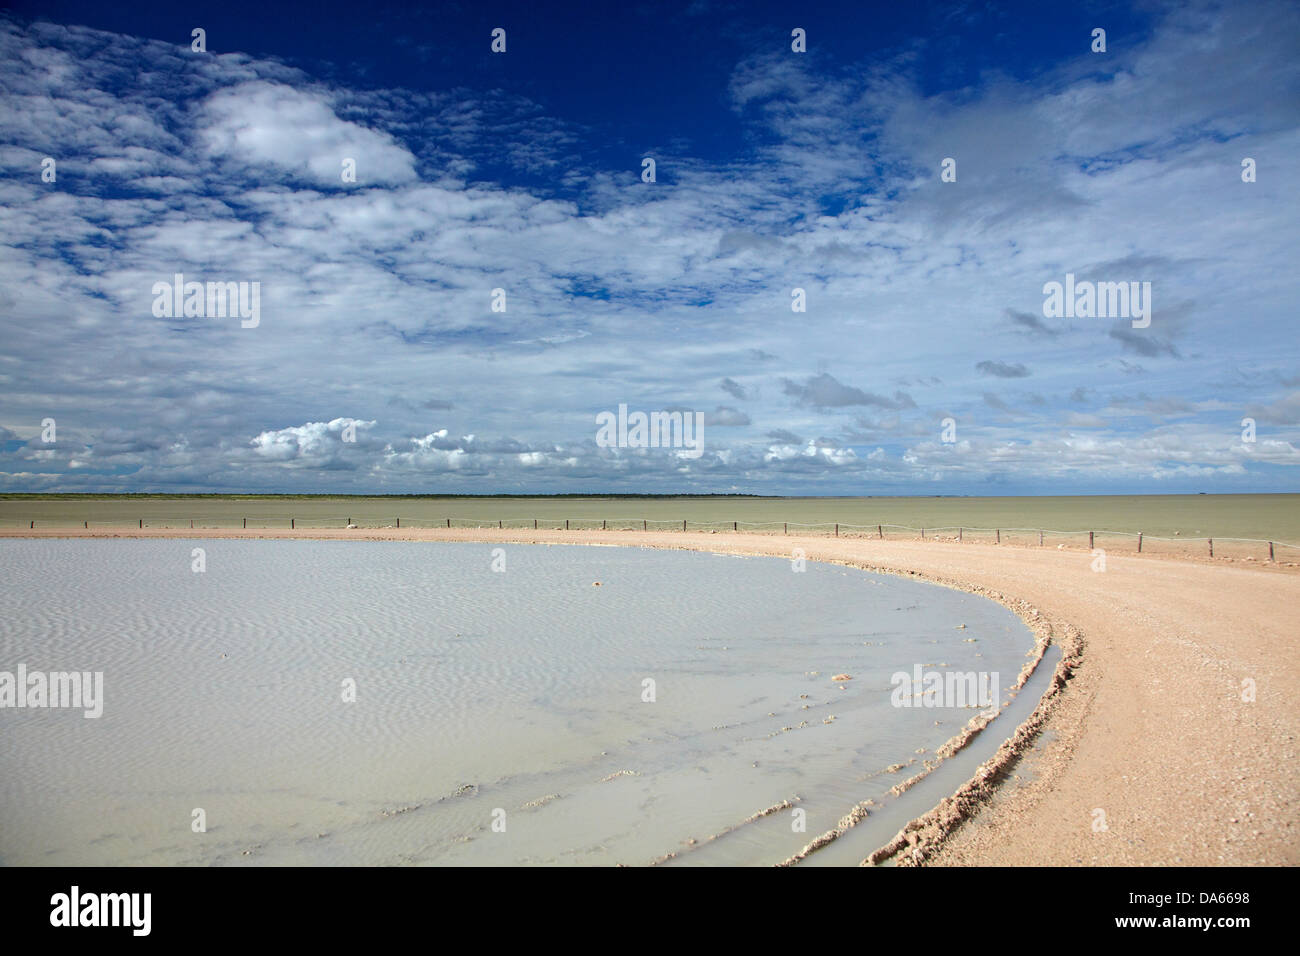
(999,541)
(1040,539)
(191,524)
(837,529)
(643,524)
(602,525)
(291,525)
(787,527)
(1089,540)
(31,526)
(448,522)
(142,522)
(683,524)
(1270,550)
(880,531)
(1211,547)
(245,524)
(1139,542)
(349,521)
(534,524)
(922,534)
(399,522)
(959,533)
(734,525)
(566,524)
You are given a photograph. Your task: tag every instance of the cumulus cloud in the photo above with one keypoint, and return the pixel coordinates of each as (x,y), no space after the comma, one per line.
(824,391)
(1143,343)
(1029,322)
(726,417)
(1002,369)
(312,440)
(734,389)
(298,132)
(377,297)
(1285,411)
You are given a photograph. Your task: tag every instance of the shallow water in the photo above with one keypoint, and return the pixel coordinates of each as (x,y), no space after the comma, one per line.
(512,696)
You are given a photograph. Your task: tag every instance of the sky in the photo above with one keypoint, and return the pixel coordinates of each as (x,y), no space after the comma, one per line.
(920,173)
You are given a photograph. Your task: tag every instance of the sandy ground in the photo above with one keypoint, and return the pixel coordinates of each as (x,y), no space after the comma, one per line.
(1148,756)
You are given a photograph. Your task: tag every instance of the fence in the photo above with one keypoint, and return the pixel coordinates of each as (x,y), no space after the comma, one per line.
(1137,541)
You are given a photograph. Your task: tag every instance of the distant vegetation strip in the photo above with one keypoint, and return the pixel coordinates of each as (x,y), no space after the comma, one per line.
(132,496)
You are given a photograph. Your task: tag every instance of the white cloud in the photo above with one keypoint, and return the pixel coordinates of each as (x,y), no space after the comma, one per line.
(297,131)
(376,300)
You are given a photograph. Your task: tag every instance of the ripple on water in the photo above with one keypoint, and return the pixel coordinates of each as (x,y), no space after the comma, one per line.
(475,691)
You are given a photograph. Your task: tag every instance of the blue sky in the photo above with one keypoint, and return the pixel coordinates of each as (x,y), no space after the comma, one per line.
(775,171)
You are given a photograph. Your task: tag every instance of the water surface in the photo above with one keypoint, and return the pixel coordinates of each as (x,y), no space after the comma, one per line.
(515,696)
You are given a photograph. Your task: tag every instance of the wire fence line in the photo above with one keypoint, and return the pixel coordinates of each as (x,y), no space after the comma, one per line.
(208,521)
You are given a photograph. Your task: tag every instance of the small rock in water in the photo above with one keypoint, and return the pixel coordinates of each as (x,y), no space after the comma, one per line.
(841,677)
(595,584)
